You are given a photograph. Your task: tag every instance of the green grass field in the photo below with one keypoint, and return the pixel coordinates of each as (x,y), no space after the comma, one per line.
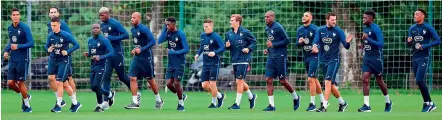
(407,105)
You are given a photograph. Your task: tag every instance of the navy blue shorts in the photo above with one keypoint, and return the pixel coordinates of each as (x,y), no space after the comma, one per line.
(375,66)
(18,70)
(311,66)
(276,67)
(175,73)
(240,71)
(330,69)
(210,73)
(59,68)
(142,68)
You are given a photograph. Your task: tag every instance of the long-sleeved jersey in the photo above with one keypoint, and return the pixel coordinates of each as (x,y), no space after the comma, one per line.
(99,45)
(422,34)
(374,43)
(328,39)
(60,41)
(178,47)
(243,38)
(143,39)
(115,32)
(279,38)
(22,36)
(308,33)
(211,42)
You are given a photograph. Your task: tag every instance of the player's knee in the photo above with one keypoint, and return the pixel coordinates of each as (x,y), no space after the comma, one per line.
(365,81)
(283,82)
(311,80)
(239,82)
(133,79)
(269,81)
(176,82)
(11,83)
(169,83)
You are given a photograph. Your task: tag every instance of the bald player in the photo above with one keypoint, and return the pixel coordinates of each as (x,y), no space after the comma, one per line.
(115,33)
(142,64)
(277,42)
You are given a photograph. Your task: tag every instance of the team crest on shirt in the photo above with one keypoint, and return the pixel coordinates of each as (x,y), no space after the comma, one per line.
(135,40)
(311,34)
(240,34)
(418,38)
(61,40)
(271,31)
(366,41)
(306,40)
(422,31)
(334,34)
(211,41)
(240,41)
(416,45)
(109,28)
(138,33)
(172,44)
(14,39)
(98,44)
(206,47)
(369,32)
(176,39)
(18,31)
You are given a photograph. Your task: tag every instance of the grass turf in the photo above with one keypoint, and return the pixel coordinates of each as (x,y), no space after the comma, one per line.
(407,106)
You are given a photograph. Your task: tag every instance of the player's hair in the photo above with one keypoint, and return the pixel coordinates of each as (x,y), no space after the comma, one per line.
(237,17)
(15,9)
(371,13)
(104,10)
(423,11)
(327,16)
(54,8)
(208,20)
(55,19)
(309,13)
(171,19)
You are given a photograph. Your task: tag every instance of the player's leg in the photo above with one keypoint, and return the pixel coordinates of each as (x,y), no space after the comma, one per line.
(52,71)
(158,100)
(282,74)
(120,70)
(213,76)
(59,85)
(421,71)
(70,78)
(179,93)
(334,67)
(311,68)
(241,86)
(20,78)
(366,89)
(135,71)
(13,85)
(170,86)
(205,83)
(25,96)
(270,74)
(11,76)
(95,88)
(150,75)
(378,72)
(106,83)
(170,80)
(328,84)
(319,90)
(61,77)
